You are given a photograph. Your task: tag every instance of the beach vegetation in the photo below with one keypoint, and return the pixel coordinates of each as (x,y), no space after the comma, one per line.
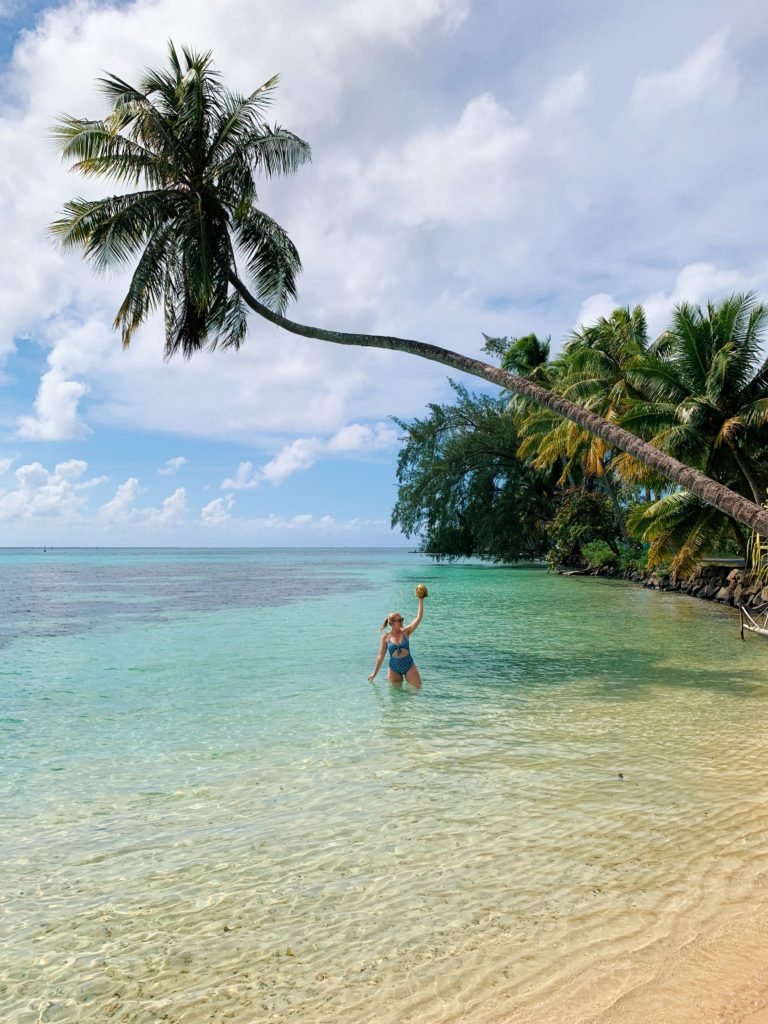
(597,554)
(583,517)
(633,557)
(704,398)
(699,391)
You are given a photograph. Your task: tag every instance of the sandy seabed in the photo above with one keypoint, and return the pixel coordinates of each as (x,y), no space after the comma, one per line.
(718,979)
(721,980)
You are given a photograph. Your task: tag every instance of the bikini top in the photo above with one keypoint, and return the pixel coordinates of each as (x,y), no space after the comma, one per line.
(403,645)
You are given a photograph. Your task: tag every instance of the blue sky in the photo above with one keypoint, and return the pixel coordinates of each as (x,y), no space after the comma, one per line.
(491,167)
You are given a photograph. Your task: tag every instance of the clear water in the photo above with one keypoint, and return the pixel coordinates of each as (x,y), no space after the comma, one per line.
(208,813)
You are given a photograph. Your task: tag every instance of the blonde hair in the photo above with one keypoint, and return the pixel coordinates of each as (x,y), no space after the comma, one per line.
(387,622)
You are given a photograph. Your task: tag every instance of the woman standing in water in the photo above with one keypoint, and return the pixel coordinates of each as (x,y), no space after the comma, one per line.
(396,643)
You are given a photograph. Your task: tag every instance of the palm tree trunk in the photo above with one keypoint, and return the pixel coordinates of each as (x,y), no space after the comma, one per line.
(711,492)
(746,471)
(618,511)
(741,541)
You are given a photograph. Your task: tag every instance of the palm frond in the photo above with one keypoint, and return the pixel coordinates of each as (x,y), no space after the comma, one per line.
(239,116)
(111,231)
(146,290)
(274,150)
(658,379)
(271,258)
(755,414)
(728,431)
(97,150)
(679,527)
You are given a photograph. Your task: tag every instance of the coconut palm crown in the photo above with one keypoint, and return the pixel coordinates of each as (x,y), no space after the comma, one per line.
(705,387)
(194,150)
(591,371)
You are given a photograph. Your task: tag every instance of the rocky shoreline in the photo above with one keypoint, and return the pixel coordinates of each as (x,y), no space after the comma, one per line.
(719,583)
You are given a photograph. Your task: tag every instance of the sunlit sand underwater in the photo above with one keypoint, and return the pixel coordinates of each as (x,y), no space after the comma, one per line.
(210,815)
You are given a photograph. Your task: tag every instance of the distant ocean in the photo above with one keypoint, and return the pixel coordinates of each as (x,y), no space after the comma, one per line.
(209,815)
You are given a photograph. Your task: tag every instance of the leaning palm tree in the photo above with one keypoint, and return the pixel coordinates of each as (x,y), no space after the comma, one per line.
(204,250)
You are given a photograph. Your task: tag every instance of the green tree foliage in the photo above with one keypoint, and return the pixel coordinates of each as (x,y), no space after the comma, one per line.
(680,530)
(597,554)
(527,356)
(703,397)
(592,371)
(463,490)
(704,391)
(700,392)
(583,517)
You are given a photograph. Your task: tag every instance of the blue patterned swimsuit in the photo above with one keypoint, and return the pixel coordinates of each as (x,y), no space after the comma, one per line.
(400,665)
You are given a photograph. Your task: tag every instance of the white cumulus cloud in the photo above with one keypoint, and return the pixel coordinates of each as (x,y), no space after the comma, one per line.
(708,70)
(76,349)
(217,511)
(304,452)
(595,306)
(173,511)
(354,438)
(122,508)
(56,404)
(299,454)
(459,173)
(42,493)
(173,465)
(245,477)
(565,94)
(695,282)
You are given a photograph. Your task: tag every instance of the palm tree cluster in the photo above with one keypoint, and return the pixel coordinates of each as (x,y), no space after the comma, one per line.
(204,253)
(699,392)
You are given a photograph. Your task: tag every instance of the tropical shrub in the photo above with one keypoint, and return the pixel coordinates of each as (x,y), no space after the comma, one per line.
(633,557)
(598,554)
(583,516)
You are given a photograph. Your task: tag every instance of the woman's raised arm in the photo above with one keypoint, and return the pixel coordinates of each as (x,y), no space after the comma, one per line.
(417,621)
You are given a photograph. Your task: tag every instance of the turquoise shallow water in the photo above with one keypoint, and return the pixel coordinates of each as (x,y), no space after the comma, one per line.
(210,815)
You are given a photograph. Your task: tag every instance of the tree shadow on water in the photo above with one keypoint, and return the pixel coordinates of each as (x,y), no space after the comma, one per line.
(631,676)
